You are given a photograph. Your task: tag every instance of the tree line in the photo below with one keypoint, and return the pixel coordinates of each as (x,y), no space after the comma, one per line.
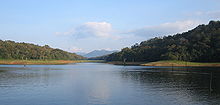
(201,44)
(23,51)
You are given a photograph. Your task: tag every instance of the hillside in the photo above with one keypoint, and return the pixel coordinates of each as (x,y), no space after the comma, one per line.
(97,53)
(14,50)
(201,44)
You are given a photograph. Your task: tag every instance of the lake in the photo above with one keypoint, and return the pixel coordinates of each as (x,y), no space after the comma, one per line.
(106,84)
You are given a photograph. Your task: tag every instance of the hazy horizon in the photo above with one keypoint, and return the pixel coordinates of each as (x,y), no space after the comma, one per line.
(84,26)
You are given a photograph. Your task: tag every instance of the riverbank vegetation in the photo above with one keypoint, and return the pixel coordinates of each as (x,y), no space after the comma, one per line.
(181,63)
(170,63)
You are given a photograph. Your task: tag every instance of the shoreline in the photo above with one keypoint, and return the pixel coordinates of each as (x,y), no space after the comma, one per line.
(63,62)
(42,62)
(167,64)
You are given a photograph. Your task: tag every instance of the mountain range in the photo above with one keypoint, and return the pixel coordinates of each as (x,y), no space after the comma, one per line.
(96,53)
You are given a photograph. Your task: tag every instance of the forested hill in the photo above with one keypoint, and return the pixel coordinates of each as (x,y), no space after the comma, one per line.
(13,50)
(201,44)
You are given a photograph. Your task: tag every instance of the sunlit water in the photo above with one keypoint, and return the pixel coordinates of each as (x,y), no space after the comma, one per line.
(105,84)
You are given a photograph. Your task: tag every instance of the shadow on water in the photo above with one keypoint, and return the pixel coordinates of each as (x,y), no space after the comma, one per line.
(196,82)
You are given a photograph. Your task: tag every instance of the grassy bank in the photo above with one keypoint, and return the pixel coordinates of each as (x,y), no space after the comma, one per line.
(181,63)
(42,62)
(168,63)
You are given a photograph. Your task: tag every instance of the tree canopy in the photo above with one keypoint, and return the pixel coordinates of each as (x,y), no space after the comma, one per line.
(12,50)
(201,44)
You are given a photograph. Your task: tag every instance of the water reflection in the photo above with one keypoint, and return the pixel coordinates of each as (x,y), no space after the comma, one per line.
(186,84)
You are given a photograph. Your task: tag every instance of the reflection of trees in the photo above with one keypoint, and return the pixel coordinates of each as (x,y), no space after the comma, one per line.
(194,83)
(16,76)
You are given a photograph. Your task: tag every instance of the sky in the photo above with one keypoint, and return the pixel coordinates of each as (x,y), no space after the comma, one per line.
(87,25)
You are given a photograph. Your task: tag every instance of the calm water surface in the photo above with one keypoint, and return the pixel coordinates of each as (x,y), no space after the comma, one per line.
(105,84)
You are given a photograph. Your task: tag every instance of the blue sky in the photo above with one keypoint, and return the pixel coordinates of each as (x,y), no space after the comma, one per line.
(86,25)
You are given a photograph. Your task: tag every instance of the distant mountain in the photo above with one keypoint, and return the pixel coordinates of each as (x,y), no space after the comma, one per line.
(81,53)
(97,53)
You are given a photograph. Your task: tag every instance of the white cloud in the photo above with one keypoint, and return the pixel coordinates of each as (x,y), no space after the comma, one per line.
(98,35)
(165,29)
(105,30)
(91,29)
(100,29)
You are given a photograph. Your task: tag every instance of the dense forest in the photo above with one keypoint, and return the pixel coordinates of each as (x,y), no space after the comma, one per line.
(24,51)
(201,44)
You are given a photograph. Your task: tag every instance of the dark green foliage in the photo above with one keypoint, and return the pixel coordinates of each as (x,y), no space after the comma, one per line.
(201,44)
(13,50)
